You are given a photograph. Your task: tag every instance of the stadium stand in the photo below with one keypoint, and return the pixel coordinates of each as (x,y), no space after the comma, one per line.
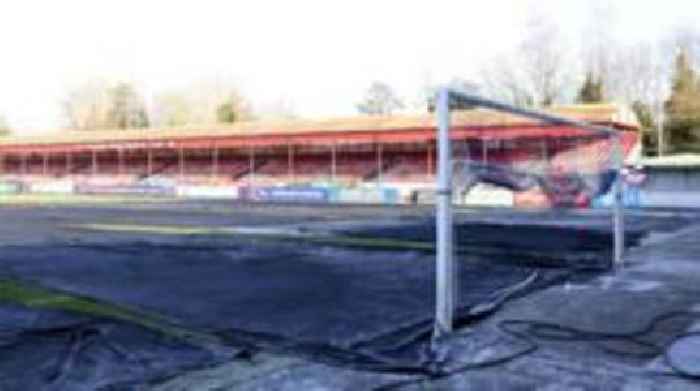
(398,151)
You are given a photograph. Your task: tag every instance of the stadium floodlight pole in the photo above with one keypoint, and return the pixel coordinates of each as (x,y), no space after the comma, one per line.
(444,272)
(462,98)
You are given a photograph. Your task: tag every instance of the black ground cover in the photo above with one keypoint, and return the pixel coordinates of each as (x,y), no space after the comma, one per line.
(53,350)
(527,244)
(344,306)
(552,239)
(314,295)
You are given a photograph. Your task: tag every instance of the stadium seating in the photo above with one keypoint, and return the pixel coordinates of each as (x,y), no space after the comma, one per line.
(408,167)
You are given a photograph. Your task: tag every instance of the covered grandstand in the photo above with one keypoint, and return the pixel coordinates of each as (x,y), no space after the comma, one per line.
(392,153)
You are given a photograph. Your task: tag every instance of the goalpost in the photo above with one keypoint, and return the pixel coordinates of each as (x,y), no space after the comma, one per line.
(446,277)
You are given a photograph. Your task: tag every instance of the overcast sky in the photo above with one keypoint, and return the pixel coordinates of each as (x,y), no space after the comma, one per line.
(318,54)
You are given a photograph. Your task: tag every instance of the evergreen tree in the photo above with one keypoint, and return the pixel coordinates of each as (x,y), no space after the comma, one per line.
(233,109)
(683,108)
(591,91)
(226,113)
(127,108)
(647,126)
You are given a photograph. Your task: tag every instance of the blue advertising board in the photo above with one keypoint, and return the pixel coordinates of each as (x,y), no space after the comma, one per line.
(125,189)
(286,194)
(630,199)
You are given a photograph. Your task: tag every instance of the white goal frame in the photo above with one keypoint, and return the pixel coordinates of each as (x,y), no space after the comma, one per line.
(446,278)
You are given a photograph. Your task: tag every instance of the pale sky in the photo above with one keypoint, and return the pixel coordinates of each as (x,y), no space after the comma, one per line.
(318,54)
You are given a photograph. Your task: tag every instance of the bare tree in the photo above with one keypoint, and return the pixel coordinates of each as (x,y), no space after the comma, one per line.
(638,73)
(629,73)
(172,109)
(424,94)
(502,80)
(599,45)
(686,38)
(207,101)
(86,106)
(281,108)
(4,126)
(98,105)
(380,99)
(543,62)
(536,72)
(642,76)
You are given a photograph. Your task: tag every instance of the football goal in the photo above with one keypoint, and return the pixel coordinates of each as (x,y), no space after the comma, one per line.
(555,162)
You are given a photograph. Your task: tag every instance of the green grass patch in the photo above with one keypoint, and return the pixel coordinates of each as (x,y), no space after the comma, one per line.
(261,234)
(155,229)
(37,297)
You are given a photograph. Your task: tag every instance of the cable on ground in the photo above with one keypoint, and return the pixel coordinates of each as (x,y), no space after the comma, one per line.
(529,331)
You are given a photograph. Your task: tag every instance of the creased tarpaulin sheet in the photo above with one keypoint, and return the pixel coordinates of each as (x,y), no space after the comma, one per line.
(517,243)
(49,350)
(285,294)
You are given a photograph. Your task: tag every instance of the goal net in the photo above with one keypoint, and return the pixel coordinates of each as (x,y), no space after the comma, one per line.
(553,166)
